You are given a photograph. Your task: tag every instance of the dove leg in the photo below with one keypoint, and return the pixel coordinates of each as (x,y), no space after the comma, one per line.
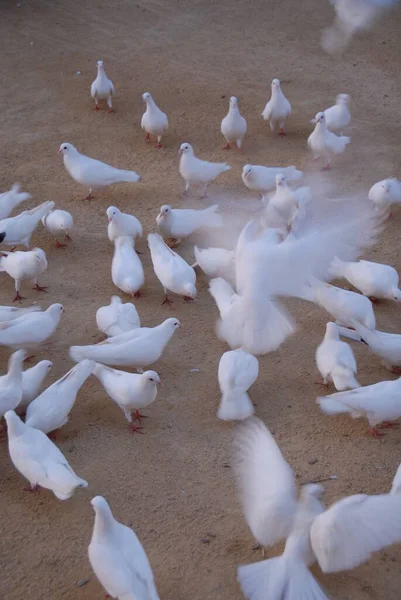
(204,195)
(188,299)
(388,425)
(159,139)
(135,428)
(35,489)
(239,144)
(172,242)
(58,245)
(139,416)
(109,104)
(90,195)
(148,138)
(96,107)
(39,288)
(327,165)
(53,434)
(282,132)
(18,297)
(166,298)
(376,433)
(272,125)
(68,238)
(227,146)
(137,294)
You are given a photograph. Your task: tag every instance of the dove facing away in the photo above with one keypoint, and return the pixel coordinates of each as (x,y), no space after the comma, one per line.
(31,329)
(385,345)
(339,538)
(117,317)
(216,262)
(173,272)
(19,229)
(195,171)
(121,224)
(32,380)
(338,116)
(59,223)
(118,558)
(286,206)
(154,121)
(343,305)
(11,199)
(102,88)
(49,412)
(385,193)
(9,313)
(336,361)
(142,350)
(39,460)
(11,384)
(178,223)
(263,179)
(374,280)
(238,370)
(323,142)
(233,126)
(278,109)
(93,173)
(126,267)
(131,391)
(24,265)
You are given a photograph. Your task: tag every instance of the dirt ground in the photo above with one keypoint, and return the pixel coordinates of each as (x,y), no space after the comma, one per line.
(174,484)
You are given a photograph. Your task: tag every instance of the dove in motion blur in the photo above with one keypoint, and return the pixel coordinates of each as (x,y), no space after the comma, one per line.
(177,223)
(93,173)
(278,109)
(117,317)
(286,207)
(385,193)
(131,391)
(24,265)
(233,126)
(386,346)
(118,558)
(263,179)
(121,224)
(345,306)
(340,538)
(336,361)
(39,460)
(11,383)
(216,262)
(59,223)
(9,313)
(19,229)
(374,280)
(195,171)
(238,370)
(323,142)
(31,329)
(154,121)
(11,199)
(102,88)
(126,267)
(338,116)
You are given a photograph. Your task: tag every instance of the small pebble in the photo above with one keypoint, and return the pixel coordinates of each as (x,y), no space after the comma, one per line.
(312,461)
(205,541)
(82,582)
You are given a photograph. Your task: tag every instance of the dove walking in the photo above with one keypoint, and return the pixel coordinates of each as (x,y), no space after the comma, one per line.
(11,199)
(374,280)
(121,224)
(24,265)
(323,142)
(263,179)
(177,223)
(102,88)
(19,229)
(238,370)
(233,126)
(195,171)
(278,109)
(386,346)
(154,121)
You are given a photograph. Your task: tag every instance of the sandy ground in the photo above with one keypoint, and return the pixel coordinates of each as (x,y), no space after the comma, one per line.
(174,484)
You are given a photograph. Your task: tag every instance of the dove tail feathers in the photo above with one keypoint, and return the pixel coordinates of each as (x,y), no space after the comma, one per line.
(344,379)
(235,406)
(127,176)
(211,217)
(278,578)
(331,406)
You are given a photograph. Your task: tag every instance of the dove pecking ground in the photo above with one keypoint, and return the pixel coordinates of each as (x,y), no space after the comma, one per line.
(173,484)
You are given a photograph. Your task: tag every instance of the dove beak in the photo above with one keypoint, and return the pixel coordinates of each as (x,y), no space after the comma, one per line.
(110,219)
(59,150)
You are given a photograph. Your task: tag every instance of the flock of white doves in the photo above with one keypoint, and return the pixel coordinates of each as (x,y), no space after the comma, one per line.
(294,244)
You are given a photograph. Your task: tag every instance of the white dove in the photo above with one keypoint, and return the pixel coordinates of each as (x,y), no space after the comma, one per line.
(19,229)
(24,265)
(11,384)
(343,305)
(39,460)
(196,171)
(173,272)
(323,142)
(378,403)
(93,173)
(117,317)
(177,223)
(9,313)
(32,380)
(118,558)
(287,206)
(31,329)
(131,391)
(263,179)
(339,538)
(145,347)
(154,121)
(385,345)
(11,199)
(126,267)
(49,412)
(102,88)
(278,109)
(233,126)
(59,223)
(385,193)
(338,116)
(216,262)
(238,370)
(374,280)
(121,224)
(336,361)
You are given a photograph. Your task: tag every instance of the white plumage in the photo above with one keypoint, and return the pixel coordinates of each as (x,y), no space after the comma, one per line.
(323,142)
(370,278)
(154,121)
(385,193)
(9,313)
(23,266)
(216,262)
(338,116)
(19,229)
(278,109)
(178,223)
(336,361)
(59,223)
(345,306)
(11,383)
(117,317)
(385,345)
(102,88)
(31,329)
(233,126)
(286,207)
(121,224)
(263,179)
(32,380)
(238,370)
(196,171)
(126,267)
(11,199)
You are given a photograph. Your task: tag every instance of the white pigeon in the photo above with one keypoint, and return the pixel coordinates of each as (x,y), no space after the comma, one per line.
(216,262)
(238,370)
(233,126)
(22,266)
(49,412)
(121,224)
(263,179)
(131,391)
(116,317)
(39,460)
(11,199)
(344,305)
(118,558)
(173,272)
(338,116)
(396,485)
(336,361)
(374,280)
(195,171)
(385,193)
(102,88)
(59,223)
(278,109)
(323,142)
(31,329)
(32,380)
(126,267)
(339,538)
(385,345)
(19,229)
(154,121)
(145,347)
(93,173)
(11,384)
(286,206)
(9,313)
(378,403)
(177,223)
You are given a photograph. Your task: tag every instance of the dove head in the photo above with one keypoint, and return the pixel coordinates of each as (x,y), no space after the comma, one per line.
(332,331)
(233,102)
(100,64)
(276,84)
(55,310)
(280,180)
(151,377)
(113,212)
(165,210)
(45,365)
(396,294)
(186,148)
(146,97)
(101,506)
(15,426)
(320,119)
(41,254)
(67,149)
(342,99)
(190,290)
(246,170)
(172,323)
